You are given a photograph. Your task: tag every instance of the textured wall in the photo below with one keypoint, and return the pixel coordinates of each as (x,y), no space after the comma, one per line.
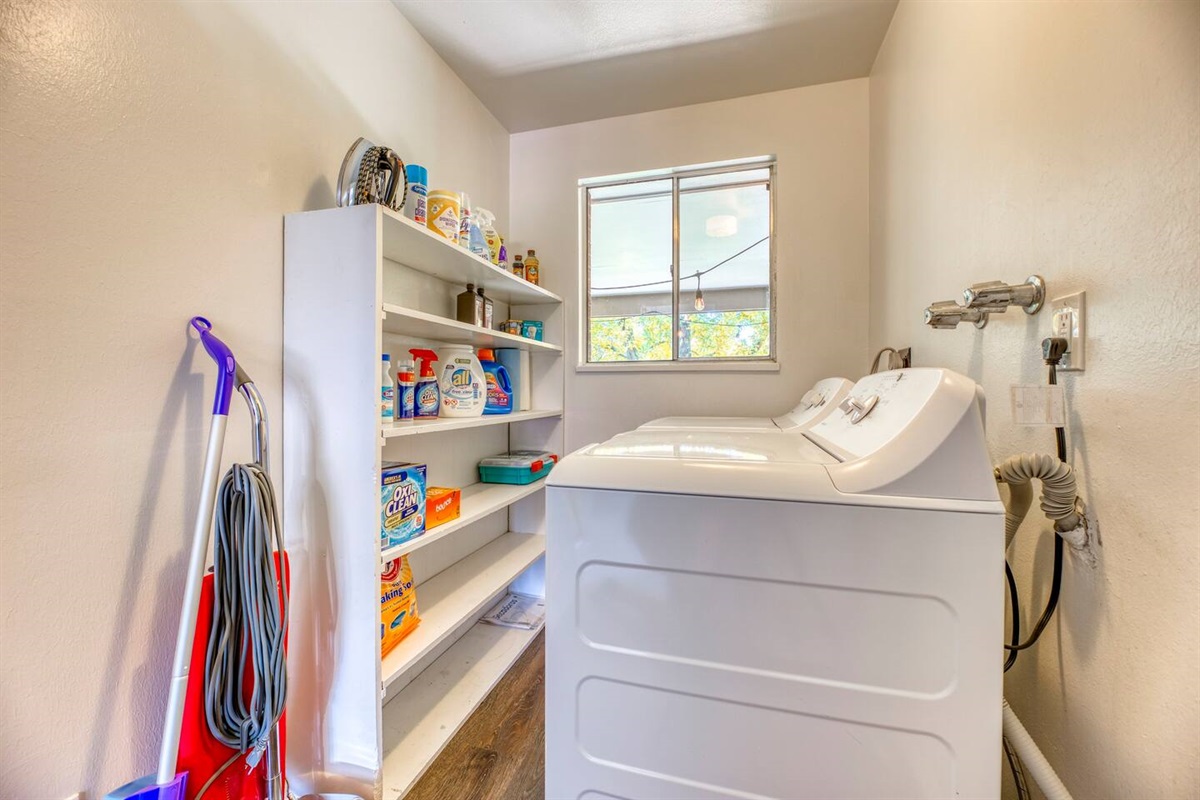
(819,134)
(1062,138)
(148,152)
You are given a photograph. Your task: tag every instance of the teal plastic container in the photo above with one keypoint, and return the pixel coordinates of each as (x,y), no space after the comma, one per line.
(518,467)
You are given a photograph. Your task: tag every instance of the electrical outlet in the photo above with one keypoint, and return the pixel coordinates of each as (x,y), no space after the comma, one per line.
(1067,321)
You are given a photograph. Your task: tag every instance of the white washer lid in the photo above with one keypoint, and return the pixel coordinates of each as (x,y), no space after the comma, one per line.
(761,465)
(713,445)
(712,423)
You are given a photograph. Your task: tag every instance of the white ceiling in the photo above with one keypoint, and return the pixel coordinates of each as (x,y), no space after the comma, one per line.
(540,63)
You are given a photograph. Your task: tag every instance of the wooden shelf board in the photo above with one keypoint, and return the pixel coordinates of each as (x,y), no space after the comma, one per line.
(422,325)
(459,593)
(478,500)
(419,248)
(452,423)
(419,721)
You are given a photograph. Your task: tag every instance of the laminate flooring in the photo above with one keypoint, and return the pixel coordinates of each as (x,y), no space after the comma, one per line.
(499,754)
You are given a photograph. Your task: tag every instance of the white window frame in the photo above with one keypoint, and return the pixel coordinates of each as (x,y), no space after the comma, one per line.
(768,363)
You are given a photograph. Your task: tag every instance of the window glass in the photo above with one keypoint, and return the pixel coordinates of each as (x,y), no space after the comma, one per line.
(725,279)
(630,285)
(723,219)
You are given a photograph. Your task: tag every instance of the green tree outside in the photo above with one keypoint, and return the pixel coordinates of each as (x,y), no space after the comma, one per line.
(713,334)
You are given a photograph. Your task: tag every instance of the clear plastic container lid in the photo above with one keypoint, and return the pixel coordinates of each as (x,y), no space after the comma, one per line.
(523,459)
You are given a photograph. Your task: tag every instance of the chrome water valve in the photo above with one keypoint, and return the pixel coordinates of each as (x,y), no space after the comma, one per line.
(997,296)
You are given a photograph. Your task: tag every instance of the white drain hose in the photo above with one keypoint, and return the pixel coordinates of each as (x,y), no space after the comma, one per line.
(1035,763)
(1059,498)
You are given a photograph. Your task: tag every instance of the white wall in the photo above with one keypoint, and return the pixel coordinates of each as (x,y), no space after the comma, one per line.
(1062,138)
(819,134)
(147,154)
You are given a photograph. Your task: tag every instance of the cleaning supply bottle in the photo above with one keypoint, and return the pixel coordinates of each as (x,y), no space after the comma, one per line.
(470,307)
(463,384)
(478,245)
(491,238)
(500,393)
(464,222)
(418,193)
(387,392)
(427,398)
(406,382)
(488,309)
(518,266)
(532,273)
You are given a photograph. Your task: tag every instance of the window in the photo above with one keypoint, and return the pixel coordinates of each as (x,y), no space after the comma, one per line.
(716,223)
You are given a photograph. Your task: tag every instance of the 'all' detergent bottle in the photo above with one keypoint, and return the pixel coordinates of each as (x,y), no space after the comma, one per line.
(499,387)
(427,399)
(463,385)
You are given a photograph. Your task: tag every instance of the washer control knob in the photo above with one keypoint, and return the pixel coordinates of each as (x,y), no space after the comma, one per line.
(858,409)
(811,399)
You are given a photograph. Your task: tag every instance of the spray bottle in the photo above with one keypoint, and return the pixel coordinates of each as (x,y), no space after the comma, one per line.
(427,397)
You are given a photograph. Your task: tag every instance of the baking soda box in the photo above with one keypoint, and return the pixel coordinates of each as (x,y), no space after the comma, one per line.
(398,603)
(402,501)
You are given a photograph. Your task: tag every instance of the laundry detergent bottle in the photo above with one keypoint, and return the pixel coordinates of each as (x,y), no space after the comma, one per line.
(387,392)
(463,384)
(427,398)
(499,387)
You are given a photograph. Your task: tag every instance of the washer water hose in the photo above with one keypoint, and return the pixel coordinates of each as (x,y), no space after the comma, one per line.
(250,613)
(1059,501)
(1031,757)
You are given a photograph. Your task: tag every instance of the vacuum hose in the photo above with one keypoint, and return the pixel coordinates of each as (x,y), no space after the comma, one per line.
(1043,774)
(250,613)
(1059,498)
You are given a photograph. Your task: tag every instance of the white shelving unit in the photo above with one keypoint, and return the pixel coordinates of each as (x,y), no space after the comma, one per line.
(420,325)
(358,282)
(437,425)
(478,501)
(450,689)
(459,594)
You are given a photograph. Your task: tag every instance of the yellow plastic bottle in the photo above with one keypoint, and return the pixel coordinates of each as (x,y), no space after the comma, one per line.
(531,268)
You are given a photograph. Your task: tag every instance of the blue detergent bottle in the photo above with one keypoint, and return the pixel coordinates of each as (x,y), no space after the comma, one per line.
(499,387)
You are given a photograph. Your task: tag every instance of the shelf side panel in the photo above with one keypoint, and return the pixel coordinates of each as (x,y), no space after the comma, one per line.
(332,342)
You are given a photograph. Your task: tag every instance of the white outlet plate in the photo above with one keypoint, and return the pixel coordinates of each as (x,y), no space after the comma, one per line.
(1067,319)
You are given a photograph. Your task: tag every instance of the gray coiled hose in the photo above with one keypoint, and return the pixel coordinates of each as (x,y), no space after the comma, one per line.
(249,612)
(1059,497)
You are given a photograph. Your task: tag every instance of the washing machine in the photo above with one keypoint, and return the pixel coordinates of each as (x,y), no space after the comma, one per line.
(817,403)
(749,615)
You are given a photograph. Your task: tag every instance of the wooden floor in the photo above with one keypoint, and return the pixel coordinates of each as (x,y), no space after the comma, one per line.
(499,754)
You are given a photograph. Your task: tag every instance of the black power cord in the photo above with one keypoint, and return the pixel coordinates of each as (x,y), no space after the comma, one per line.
(1015,602)
(1053,350)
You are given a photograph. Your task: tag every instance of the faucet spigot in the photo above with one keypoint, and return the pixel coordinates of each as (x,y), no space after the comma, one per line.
(996,296)
(947,315)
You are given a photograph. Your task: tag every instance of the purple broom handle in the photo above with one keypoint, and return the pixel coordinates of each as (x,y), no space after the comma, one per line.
(226,364)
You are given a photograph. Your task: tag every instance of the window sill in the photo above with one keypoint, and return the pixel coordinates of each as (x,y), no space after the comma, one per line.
(680,366)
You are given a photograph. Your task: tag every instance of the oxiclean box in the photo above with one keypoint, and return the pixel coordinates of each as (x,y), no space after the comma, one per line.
(402,502)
